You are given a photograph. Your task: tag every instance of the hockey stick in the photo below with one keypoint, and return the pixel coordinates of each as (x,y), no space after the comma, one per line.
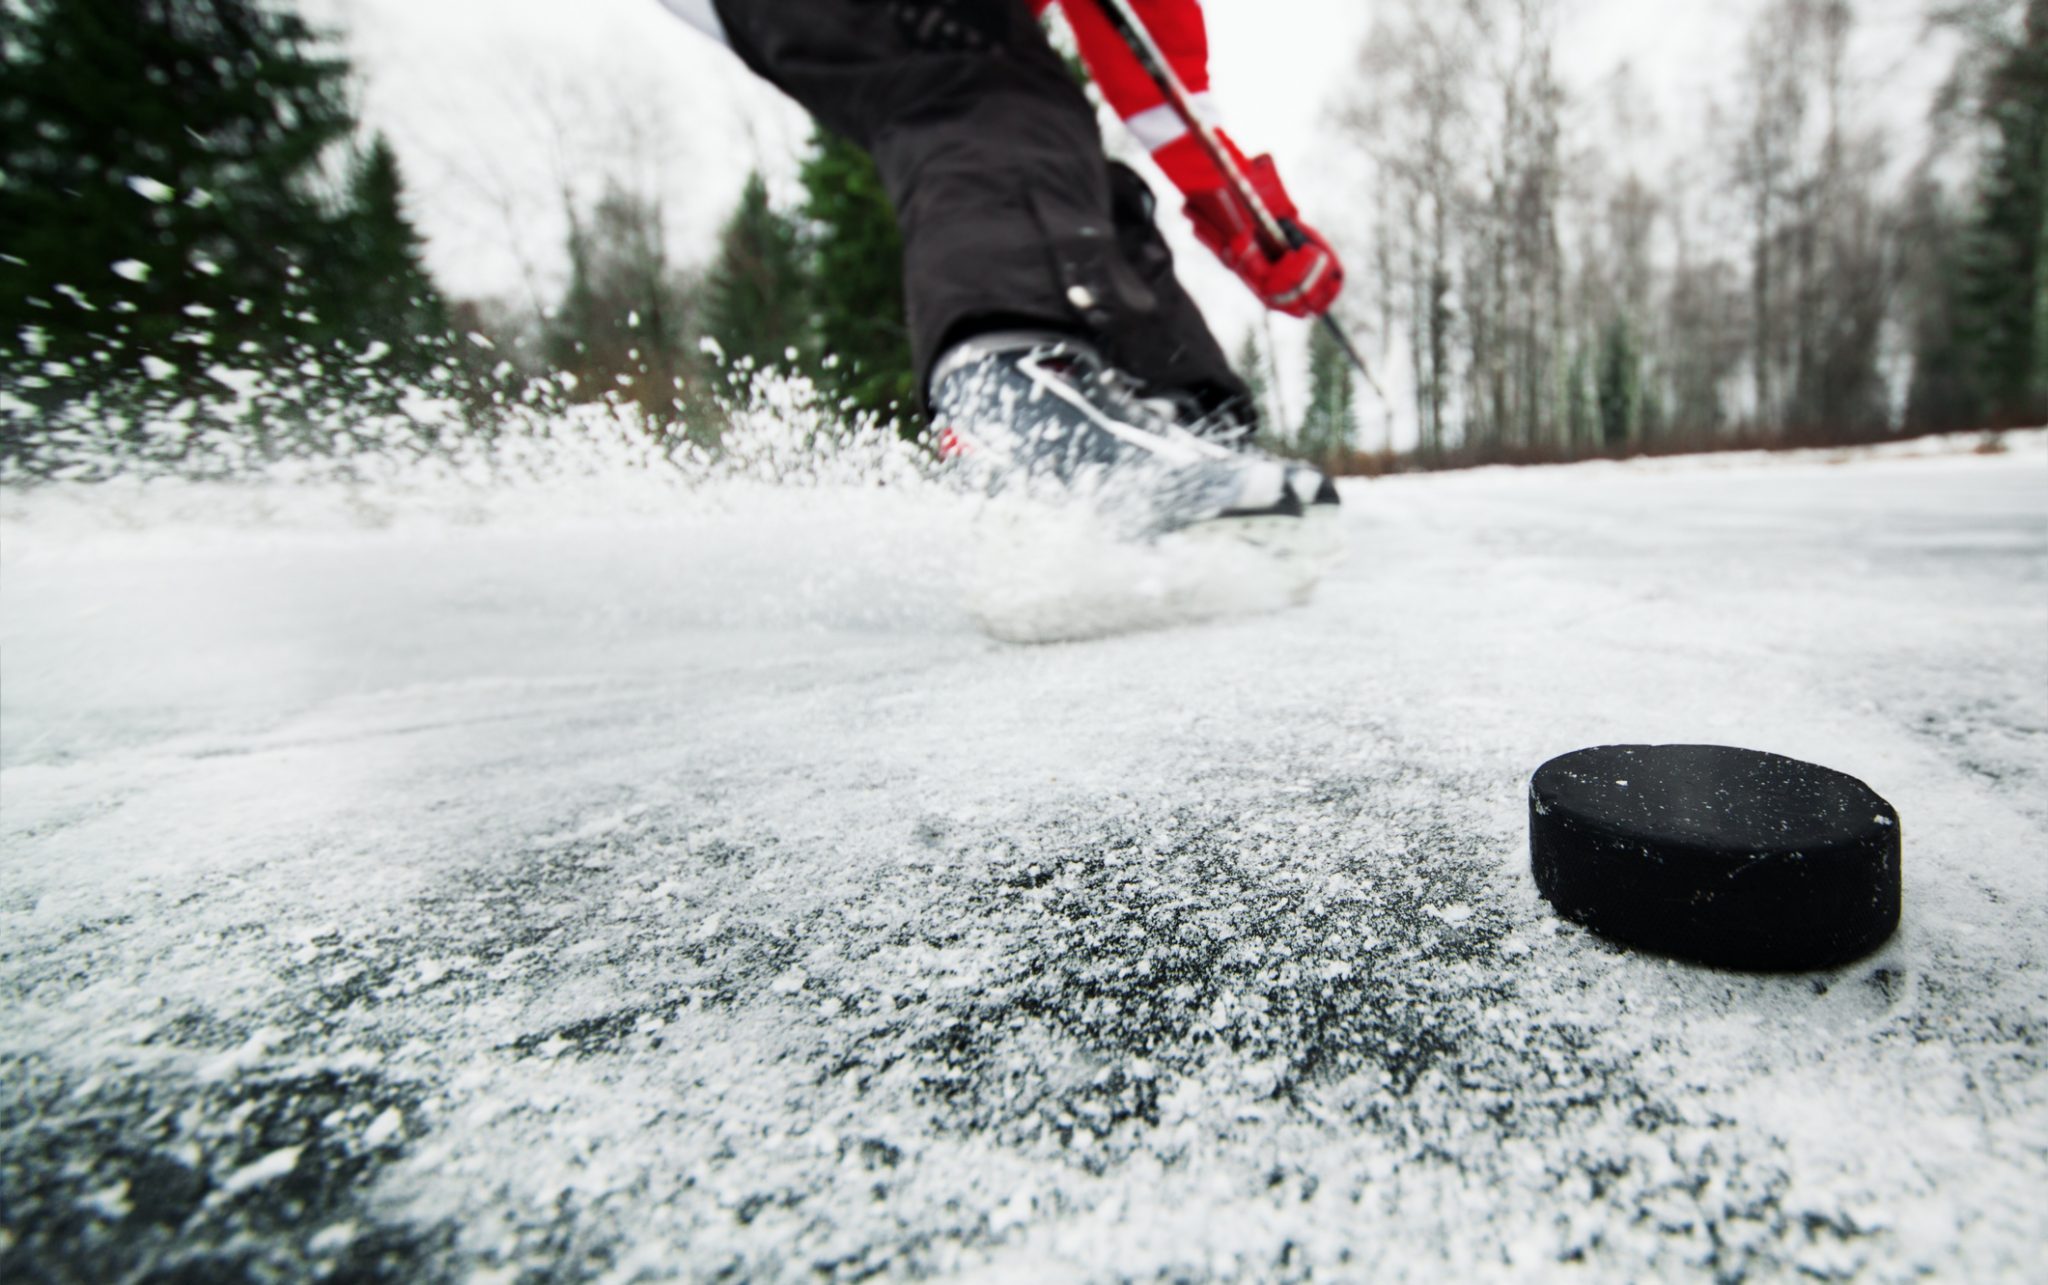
(1277,235)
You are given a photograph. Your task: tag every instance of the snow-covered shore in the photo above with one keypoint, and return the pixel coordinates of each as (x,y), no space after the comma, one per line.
(610,884)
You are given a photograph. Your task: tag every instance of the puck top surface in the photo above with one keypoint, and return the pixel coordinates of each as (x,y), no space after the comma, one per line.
(1712,796)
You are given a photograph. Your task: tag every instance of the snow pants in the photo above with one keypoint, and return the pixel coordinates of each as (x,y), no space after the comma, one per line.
(1010,212)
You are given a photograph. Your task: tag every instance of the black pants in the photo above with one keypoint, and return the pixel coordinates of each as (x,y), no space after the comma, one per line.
(1011,214)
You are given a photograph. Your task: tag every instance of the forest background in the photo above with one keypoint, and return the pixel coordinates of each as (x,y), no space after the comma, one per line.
(195,216)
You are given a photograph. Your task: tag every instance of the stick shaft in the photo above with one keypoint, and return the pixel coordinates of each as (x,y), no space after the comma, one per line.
(1132,28)
(1279,236)
(1351,351)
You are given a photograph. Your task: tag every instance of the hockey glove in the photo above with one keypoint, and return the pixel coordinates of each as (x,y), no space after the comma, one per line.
(1302,278)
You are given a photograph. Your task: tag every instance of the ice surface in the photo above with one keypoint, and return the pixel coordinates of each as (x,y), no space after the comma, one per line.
(620,880)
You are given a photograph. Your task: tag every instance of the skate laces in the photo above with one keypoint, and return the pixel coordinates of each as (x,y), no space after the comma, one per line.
(1221,426)
(1176,414)
(1124,398)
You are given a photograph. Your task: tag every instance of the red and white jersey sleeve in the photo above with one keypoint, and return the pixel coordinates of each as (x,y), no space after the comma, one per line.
(1178,29)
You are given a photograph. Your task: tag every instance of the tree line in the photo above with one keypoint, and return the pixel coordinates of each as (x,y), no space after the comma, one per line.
(1781,275)
(190,209)
(813,292)
(186,192)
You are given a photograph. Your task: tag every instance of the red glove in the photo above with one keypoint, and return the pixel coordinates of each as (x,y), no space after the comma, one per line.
(1301,279)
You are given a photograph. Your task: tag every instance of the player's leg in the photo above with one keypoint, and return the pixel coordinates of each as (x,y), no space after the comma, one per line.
(1050,339)
(1176,331)
(993,158)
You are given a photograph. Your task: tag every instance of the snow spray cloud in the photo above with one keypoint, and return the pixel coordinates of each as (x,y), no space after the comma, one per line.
(346,422)
(811,513)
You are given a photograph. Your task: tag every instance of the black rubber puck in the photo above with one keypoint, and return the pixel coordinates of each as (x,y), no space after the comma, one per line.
(1726,856)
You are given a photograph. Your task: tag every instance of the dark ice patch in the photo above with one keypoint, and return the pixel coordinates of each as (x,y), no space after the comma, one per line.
(147,1174)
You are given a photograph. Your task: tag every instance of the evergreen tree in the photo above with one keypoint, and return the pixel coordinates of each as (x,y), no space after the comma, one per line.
(395,298)
(162,201)
(1253,370)
(756,296)
(856,264)
(1330,423)
(2005,277)
(1579,421)
(1619,387)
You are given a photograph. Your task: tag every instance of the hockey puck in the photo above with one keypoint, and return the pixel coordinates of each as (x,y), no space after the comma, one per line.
(1726,856)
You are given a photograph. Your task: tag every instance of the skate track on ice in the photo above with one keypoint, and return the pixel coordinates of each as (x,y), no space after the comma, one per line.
(620,893)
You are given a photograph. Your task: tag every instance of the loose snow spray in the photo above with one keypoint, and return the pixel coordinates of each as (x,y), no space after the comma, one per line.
(1047,574)
(794,514)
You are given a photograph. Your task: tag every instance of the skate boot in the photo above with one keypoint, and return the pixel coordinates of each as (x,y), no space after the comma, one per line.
(1043,412)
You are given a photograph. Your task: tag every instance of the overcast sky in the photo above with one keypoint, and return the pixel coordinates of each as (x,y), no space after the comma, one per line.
(495,104)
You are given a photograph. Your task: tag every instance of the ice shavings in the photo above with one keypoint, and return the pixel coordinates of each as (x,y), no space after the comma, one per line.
(268,1169)
(150,189)
(384,1128)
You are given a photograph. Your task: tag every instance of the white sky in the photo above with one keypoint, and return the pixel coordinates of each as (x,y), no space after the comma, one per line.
(496,104)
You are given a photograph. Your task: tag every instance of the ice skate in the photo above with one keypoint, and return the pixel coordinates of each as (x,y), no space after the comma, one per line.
(1043,413)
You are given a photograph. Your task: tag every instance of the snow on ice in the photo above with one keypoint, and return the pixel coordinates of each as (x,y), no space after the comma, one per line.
(604,877)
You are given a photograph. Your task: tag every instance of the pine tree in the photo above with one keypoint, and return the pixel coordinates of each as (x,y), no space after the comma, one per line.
(394,296)
(1618,387)
(1943,395)
(856,264)
(1330,423)
(165,206)
(756,296)
(1580,431)
(161,160)
(2005,276)
(1252,368)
